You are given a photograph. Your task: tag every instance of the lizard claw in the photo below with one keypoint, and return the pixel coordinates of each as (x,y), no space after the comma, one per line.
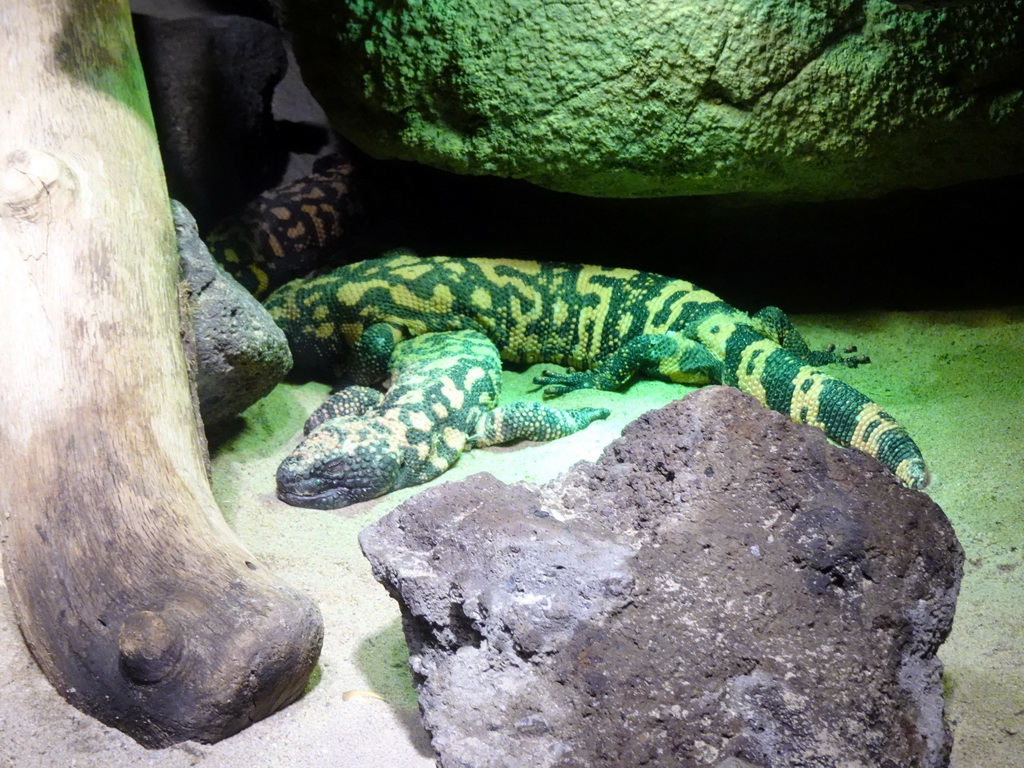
(849,362)
(853,362)
(556,383)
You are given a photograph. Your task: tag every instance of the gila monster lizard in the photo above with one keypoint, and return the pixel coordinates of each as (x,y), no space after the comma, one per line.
(609,324)
(361,444)
(288,230)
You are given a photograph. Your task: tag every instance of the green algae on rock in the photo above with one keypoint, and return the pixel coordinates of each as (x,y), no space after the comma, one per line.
(771,98)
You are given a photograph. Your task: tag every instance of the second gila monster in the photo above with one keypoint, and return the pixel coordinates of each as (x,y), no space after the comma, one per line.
(442,401)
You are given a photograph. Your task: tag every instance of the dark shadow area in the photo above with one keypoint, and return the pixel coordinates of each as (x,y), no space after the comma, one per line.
(914,249)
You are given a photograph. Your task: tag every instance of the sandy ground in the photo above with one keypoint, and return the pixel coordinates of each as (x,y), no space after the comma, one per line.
(956,380)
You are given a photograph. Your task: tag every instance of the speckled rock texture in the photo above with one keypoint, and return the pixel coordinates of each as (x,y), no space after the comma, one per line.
(722,587)
(775,99)
(240,353)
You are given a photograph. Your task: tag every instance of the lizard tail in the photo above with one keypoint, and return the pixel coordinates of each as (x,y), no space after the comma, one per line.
(784,383)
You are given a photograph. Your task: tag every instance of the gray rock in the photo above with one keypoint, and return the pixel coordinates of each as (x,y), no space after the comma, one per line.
(771,98)
(721,588)
(211,82)
(240,353)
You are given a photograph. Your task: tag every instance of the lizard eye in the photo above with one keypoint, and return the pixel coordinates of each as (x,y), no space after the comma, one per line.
(335,465)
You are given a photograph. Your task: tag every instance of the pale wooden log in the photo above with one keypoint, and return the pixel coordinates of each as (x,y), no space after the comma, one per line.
(136,599)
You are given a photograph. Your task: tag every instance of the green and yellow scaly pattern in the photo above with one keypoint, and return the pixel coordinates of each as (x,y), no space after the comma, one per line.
(607,324)
(442,401)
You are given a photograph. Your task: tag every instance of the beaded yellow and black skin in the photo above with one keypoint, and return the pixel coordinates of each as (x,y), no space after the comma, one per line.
(287,231)
(442,401)
(607,324)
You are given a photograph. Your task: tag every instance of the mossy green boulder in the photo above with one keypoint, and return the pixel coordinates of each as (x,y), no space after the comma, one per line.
(773,98)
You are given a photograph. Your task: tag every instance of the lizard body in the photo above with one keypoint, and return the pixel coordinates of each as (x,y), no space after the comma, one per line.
(608,324)
(442,401)
(288,230)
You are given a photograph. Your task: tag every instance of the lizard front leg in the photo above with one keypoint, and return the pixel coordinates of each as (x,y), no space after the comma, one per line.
(531,421)
(669,356)
(371,354)
(350,401)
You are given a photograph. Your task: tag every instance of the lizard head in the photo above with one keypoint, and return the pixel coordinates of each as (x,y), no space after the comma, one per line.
(342,461)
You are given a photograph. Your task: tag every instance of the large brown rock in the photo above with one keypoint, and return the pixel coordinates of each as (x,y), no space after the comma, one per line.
(721,584)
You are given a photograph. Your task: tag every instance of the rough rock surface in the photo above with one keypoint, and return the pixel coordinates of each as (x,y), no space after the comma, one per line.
(774,98)
(240,353)
(211,81)
(721,586)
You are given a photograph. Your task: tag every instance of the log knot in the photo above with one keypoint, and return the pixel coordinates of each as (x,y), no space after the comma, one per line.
(27,179)
(150,646)
(36,189)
